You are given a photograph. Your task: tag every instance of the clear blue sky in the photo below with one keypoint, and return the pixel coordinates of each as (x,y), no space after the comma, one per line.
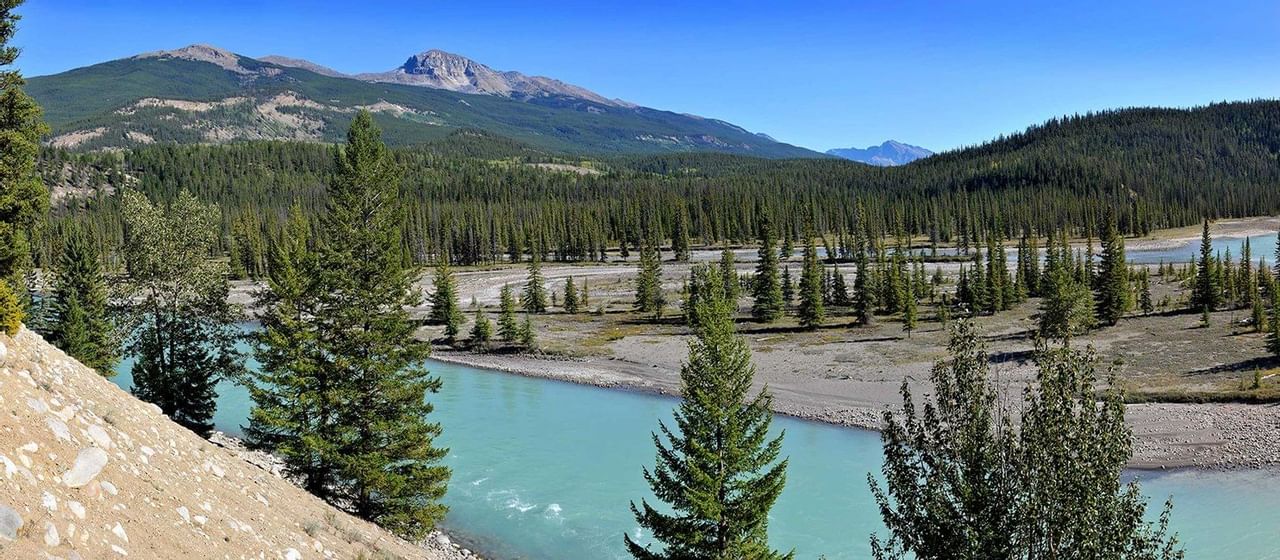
(816,74)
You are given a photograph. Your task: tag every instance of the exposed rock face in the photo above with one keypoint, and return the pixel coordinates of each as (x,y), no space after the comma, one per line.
(889,153)
(88,471)
(442,70)
(303,64)
(203,53)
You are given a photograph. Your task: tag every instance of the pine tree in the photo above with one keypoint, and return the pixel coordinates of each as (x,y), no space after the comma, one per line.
(508,328)
(445,309)
(534,297)
(1068,308)
(729,277)
(718,469)
(584,296)
(182,328)
(1113,298)
(1273,337)
(811,311)
(649,297)
(80,324)
(1206,293)
(570,296)
(862,303)
(788,288)
(766,290)
(481,331)
(909,315)
(526,334)
(680,237)
(23,199)
(839,291)
(1144,297)
(387,468)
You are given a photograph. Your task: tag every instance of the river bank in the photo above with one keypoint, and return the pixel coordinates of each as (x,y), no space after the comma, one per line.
(1166,436)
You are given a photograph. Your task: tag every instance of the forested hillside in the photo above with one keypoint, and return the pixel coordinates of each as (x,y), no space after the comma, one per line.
(202,94)
(475,196)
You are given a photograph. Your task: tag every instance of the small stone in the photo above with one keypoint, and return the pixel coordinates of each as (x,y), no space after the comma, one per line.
(292,554)
(49,502)
(59,429)
(116,549)
(89,462)
(10,522)
(99,436)
(76,509)
(119,532)
(109,488)
(51,534)
(184,513)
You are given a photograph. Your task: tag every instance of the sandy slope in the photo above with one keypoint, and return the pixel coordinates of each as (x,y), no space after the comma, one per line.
(88,471)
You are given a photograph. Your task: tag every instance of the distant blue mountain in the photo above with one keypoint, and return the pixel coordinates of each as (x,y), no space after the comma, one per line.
(889,153)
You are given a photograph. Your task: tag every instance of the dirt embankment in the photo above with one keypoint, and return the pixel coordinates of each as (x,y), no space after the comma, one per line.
(89,471)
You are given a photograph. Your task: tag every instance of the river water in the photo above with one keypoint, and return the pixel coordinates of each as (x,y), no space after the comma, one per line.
(544,469)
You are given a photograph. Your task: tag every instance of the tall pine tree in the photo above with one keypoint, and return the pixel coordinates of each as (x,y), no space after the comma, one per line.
(718,469)
(80,323)
(766,290)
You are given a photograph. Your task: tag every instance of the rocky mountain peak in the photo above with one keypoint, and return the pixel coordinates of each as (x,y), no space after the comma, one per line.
(890,152)
(202,53)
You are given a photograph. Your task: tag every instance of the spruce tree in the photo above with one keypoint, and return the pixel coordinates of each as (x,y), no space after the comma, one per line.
(1273,337)
(729,277)
(1205,294)
(23,199)
(570,296)
(862,303)
(389,470)
(526,334)
(909,315)
(79,322)
(766,290)
(534,297)
(788,288)
(649,297)
(1144,293)
(445,309)
(811,311)
(1113,296)
(717,468)
(182,329)
(481,331)
(508,328)
(1068,307)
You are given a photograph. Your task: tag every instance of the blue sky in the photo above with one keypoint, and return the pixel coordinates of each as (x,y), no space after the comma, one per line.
(816,74)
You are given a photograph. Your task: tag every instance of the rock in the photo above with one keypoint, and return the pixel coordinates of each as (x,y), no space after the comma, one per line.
(51,534)
(89,462)
(292,554)
(99,436)
(49,502)
(76,509)
(59,429)
(118,531)
(10,522)
(184,513)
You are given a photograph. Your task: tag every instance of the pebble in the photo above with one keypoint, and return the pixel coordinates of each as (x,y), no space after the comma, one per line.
(76,509)
(119,532)
(51,534)
(89,462)
(10,522)
(99,436)
(292,554)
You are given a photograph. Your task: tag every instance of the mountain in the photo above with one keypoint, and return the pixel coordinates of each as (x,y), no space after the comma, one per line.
(204,94)
(303,64)
(889,153)
(442,70)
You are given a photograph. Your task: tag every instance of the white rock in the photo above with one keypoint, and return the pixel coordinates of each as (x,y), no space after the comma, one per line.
(51,534)
(119,532)
(59,429)
(37,405)
(200,519)
(118,550)
(49,502)
(292,554)
(184,513)
(10,522)
(109,488)
(99,436)
(89,462)
(76,509)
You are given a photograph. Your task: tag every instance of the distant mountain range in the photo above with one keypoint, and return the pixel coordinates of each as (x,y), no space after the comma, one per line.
(889,153)
(205,94)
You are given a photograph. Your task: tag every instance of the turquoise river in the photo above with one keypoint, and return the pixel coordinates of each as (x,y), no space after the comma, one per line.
(545,469)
